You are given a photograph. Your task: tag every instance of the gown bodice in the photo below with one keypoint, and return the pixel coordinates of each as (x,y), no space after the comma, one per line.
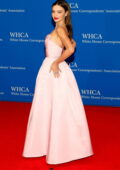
(53,50)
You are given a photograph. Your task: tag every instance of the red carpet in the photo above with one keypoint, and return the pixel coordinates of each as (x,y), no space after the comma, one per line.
(104,125)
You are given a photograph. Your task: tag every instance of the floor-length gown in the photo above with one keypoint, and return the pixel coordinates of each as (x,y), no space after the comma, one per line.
(57,125)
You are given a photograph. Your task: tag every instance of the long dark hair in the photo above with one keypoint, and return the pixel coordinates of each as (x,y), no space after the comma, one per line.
(68,23)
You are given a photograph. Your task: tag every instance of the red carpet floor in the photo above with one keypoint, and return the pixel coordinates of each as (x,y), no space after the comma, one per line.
(104,125)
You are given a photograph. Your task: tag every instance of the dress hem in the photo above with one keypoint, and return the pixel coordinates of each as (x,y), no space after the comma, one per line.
(72,159)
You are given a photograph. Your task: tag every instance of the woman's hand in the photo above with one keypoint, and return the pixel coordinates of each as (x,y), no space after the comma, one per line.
(55,68)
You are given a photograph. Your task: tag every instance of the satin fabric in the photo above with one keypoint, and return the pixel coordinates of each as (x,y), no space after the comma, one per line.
(57,124)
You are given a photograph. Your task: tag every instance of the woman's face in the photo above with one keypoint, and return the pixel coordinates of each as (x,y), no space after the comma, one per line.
(58,13)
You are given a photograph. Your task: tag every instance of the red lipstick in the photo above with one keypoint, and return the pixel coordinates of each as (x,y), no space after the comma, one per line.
(56,18)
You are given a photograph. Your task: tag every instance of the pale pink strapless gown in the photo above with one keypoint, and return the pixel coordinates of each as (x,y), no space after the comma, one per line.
(57,125)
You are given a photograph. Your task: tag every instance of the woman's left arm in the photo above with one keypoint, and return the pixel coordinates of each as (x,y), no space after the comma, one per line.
(69,45)
(69,50)
(73,43)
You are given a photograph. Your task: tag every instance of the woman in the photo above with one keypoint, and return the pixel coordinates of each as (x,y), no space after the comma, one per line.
(57,125)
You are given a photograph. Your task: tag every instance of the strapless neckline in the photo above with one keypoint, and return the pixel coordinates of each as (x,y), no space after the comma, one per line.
(49,35)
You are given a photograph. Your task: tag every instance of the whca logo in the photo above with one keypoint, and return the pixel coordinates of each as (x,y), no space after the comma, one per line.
(19,89)
(19,35)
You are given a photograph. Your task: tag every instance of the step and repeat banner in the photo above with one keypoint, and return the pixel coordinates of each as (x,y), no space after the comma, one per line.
(95,63)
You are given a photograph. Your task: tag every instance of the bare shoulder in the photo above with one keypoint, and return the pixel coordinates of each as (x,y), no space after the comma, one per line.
(62,31)
(63,35)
